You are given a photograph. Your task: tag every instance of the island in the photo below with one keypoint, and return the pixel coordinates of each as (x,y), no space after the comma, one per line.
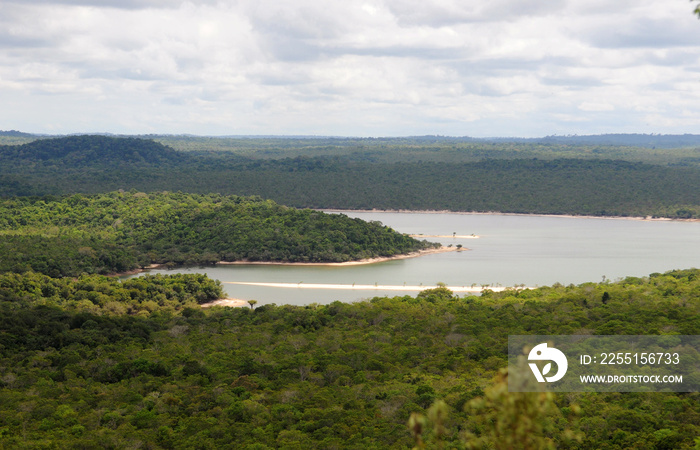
(119,231)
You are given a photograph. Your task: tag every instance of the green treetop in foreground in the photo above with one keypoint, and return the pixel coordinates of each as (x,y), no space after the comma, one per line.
(119,231)
(96,362)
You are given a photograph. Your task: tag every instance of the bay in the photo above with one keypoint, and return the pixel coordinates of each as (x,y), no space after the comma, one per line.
(510,250)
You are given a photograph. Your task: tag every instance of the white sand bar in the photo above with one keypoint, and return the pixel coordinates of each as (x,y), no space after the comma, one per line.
(455,236)
(366,287)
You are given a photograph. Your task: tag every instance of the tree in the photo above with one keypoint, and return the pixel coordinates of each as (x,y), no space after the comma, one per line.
(516,419)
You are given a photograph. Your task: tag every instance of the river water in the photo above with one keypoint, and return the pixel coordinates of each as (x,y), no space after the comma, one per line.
(510,250)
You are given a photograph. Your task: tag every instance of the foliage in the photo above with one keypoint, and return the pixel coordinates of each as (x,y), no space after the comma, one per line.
(603,188)
(82,151)
(119,231)
(97,294)
(98,362)
(547,177)
(148,375)
(524,420)
(648,148)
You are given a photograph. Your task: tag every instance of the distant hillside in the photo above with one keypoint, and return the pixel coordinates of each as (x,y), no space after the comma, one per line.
(15,133)
(627,140)
(667,150)
(234,142)
(87,151)
(612,139)
(521,178)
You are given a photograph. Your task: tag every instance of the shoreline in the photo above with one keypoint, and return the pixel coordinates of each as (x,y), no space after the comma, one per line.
(496,213)
(358,262)
(132,272)
(429,251)
(453,236)
(417,236)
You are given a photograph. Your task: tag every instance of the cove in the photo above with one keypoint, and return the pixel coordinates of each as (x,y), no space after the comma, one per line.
(510,250)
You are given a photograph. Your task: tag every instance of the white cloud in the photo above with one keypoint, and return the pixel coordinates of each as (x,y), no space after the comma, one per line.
(592,107)
(352,67)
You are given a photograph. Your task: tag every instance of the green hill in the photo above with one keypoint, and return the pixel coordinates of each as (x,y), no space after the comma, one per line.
(412,174)
(90,151)
(120,231)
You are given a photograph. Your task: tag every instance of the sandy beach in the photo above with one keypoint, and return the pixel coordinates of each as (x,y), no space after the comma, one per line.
(454,236)
(276,263)
(429,251)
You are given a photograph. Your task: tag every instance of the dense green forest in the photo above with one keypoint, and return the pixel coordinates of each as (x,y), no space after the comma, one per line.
(671,150)
(120,231)
(95,362)
(648,148)
(90,361)
(514,178)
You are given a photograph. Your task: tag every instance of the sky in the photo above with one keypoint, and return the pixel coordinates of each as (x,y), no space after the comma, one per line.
(370,68)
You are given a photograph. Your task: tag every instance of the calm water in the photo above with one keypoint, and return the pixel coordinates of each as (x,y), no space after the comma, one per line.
(511,250)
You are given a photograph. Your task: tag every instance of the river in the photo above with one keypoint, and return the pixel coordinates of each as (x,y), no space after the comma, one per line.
(510,250)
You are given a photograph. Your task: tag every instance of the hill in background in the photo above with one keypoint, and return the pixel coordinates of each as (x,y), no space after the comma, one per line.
(83,151)
(430,173)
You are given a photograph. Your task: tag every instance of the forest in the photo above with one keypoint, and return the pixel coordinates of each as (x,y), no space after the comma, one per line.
(540,178)
(95,362)
(120,231)
(91,360)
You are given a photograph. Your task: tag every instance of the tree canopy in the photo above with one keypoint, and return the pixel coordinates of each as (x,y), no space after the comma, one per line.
(98,362)
(90,361)
(120,231)
(548,177)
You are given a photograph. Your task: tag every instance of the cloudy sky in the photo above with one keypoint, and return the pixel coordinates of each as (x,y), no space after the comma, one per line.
(350,67)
